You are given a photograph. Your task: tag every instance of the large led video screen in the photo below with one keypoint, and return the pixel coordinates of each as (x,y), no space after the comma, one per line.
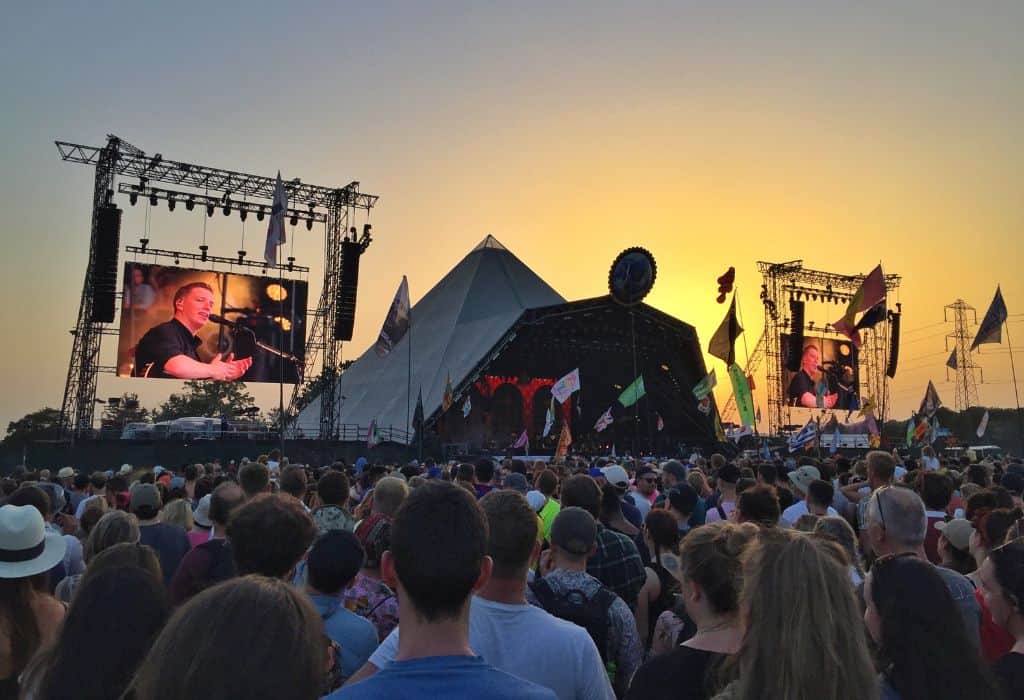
(828,377)
(178,323)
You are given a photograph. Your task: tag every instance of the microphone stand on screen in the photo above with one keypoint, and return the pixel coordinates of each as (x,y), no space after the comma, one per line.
(256,341)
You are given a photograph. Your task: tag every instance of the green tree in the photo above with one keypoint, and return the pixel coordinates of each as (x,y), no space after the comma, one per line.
(124,410)
(206,398)
(43,424)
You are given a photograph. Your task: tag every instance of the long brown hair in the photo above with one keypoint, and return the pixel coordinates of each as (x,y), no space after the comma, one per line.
(19,618)
(227,642)
(804,638)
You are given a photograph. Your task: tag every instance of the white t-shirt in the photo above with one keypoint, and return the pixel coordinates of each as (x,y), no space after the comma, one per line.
(529,643)
(641,503)
(793,513)
(930,463)
(714,516)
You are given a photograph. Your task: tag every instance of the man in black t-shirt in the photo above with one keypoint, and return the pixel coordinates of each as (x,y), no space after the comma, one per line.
(168,351)
(803,388)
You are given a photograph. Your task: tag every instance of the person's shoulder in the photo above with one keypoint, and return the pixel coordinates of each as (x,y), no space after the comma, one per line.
(500,684)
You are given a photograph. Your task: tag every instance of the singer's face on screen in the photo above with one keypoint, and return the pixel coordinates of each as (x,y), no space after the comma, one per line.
(194,308)
(810,360)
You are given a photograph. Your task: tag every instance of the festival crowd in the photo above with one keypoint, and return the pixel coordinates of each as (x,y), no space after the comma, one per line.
(799,579)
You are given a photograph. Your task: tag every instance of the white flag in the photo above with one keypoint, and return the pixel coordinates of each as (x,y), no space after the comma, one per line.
(604,421)
(275,229)
(983,425)
(466,407)
(549,419)
(565,386)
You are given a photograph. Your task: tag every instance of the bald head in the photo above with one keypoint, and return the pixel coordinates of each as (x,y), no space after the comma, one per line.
(896,516)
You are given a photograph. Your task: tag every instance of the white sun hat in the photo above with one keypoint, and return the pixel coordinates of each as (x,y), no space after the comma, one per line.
(26,548)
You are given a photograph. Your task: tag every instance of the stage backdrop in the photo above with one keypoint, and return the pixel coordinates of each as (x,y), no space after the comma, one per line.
(274,310)
(838,373)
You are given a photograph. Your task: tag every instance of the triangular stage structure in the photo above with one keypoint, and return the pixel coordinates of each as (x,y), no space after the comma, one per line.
(453,326)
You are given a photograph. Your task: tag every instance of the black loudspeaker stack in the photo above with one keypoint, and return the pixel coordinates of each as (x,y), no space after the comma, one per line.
(894,344)
(346,302)
(796,335)
(104,270)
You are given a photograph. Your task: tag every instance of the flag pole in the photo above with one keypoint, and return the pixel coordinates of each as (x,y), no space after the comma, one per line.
(636,402)
(1016,394)
(408,379)
(280,311)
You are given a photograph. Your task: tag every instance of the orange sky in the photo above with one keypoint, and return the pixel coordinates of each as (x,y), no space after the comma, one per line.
(711,136)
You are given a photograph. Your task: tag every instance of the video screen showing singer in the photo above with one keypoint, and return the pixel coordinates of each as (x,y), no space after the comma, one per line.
(809,387)
(169,350)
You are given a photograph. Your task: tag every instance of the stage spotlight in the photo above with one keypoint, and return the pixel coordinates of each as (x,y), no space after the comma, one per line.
(144,242)
(286,324)
(276,292)
(152,198)
(243,214)
(133,198)
(241,256)
(291,262)
(209,210)
(227,209)
(295,220)
(176,261)
(259,214)
(171,202)
(203,248)
(309,224)
(190,203)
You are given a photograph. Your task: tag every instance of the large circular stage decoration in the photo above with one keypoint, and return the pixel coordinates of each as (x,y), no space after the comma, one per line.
(632,276)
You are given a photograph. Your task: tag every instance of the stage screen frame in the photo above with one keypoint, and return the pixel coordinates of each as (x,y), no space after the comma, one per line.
(836,354)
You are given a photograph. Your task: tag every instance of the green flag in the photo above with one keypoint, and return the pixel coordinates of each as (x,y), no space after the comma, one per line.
(705,385)
(741,391)
(632,393)
(910,431)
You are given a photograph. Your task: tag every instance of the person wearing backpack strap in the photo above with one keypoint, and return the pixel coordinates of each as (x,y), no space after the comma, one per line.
(569,592)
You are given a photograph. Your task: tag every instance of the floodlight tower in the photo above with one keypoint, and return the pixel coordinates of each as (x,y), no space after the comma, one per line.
(961,360)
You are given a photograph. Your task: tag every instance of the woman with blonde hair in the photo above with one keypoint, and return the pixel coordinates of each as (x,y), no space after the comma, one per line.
(838,530)
(115,527)
(803,636)
(178,512)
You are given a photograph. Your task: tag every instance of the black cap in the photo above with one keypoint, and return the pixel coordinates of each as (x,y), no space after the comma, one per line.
(683,498)
(675,468)
(574,530)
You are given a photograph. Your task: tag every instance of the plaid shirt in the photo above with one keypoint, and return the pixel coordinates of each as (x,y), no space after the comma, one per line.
(617,565)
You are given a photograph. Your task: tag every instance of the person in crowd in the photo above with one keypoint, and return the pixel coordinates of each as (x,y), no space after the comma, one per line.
(114,527)
(91,515)
(818,503)
(838,530)
(332,564)
(567,586)
(895,520)
(645,490)
(29,616)
(618,477)
(192,472)
(438,558)
(954,546)
(936,492)
(922,647)
(202,526)
(96,491)
(547,484)
(661,536)
(170,541)
(990,531)
(116,615)
(612,516)
(79,490)
(709,571)
(517,637)
(1002,585)
(124,554)
(212,561)
(251,637)
(758,505)
(294,482)
(803,638)
(179,512)
(332,513)
(881,468)
(269,534)
(369,596)
(254,478)
(30,494)
(725,482)
(616,563)
(485,474)
(682,502)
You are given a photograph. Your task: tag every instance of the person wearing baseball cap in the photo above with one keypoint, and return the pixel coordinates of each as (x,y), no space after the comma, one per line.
(807,485)
(954,545)
(617,477)
(170,541)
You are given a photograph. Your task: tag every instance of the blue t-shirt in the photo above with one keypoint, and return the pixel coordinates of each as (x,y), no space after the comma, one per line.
(443,678)
(356,635)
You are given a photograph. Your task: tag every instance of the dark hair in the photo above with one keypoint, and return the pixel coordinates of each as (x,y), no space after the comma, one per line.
(768,473)
(254,620)
(117,484)
(253,478)
(31,496)
(19,618)
(611,506)
(785,497)
(664,532)
(116,615)
(936,490)
(512,528)
(821,492)
(122,555)
(993,526)
(484,471)
(924,644)
(547,482)
(334,561)
(979,504)
(204,485)
(759,505)
(881,465)
(438,541)
(81,480)
(269,535)
(98,480)
(293,481)
(1008,563)
(185,289)
(465,472)
(223,501)
(147,478)
(583,492)
(978,474)
(191,472)
(333,488)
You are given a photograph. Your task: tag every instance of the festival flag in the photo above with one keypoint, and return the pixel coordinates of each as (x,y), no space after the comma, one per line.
(704,405)
(719,430)
(722,343)
(868,407)
(951,362)
(522,441)
(371,435)
(741,392)
(565,386)
(613,455)
(466,407)
(661,423)
(991,328)
(910,431)
(870,293)
(564,440)
(983,425)
(835,440)
(633,393)
(705,385)
(921,429)
(275,229)
(931,401)
(604,421)
(446,402)
(396,324)
(758,416)
(806,436)
(417,416)
(549,418)
(873,316)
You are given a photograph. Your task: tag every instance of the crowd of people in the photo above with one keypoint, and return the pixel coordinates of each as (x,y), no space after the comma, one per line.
(878,577)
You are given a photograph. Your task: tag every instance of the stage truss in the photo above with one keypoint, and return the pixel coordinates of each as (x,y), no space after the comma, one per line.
(211,187)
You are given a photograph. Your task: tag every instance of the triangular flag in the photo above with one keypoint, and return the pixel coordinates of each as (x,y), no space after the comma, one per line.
(870,293)
(910,431)
(951,362)
(523,441)
(397,322)
(371,435)
(835,440)
(417,416)
(549,418)
(983,425)
(661,423)
(466,407)
(741,392)
(719,430)
(722,343)
(565,386)
(604,421)
(633,393)
(446,402)
(705,385)
(872,317)
(921,429)
(275,228)
(991,328)
(931,401)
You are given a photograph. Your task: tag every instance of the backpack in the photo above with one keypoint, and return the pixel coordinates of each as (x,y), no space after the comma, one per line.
(591,614)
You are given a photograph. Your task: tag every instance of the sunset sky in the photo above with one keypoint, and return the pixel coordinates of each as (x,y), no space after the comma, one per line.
(713,134)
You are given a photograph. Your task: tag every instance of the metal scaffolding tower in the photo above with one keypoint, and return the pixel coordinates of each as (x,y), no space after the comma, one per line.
(961,361)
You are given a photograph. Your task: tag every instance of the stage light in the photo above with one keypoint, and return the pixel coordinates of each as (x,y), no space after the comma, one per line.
(243,214)
(171,202)
(227,208)
(209,210)
(259,214)
(133,198)
(176,261)
(664,368)
(241,256)
(309,224)
(144,242)
(286,324)
(291,262)
(295,220)
(190,203)
(203,248)
(152,198)
(275,292)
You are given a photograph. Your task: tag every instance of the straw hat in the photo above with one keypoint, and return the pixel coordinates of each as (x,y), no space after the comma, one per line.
(26,548)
